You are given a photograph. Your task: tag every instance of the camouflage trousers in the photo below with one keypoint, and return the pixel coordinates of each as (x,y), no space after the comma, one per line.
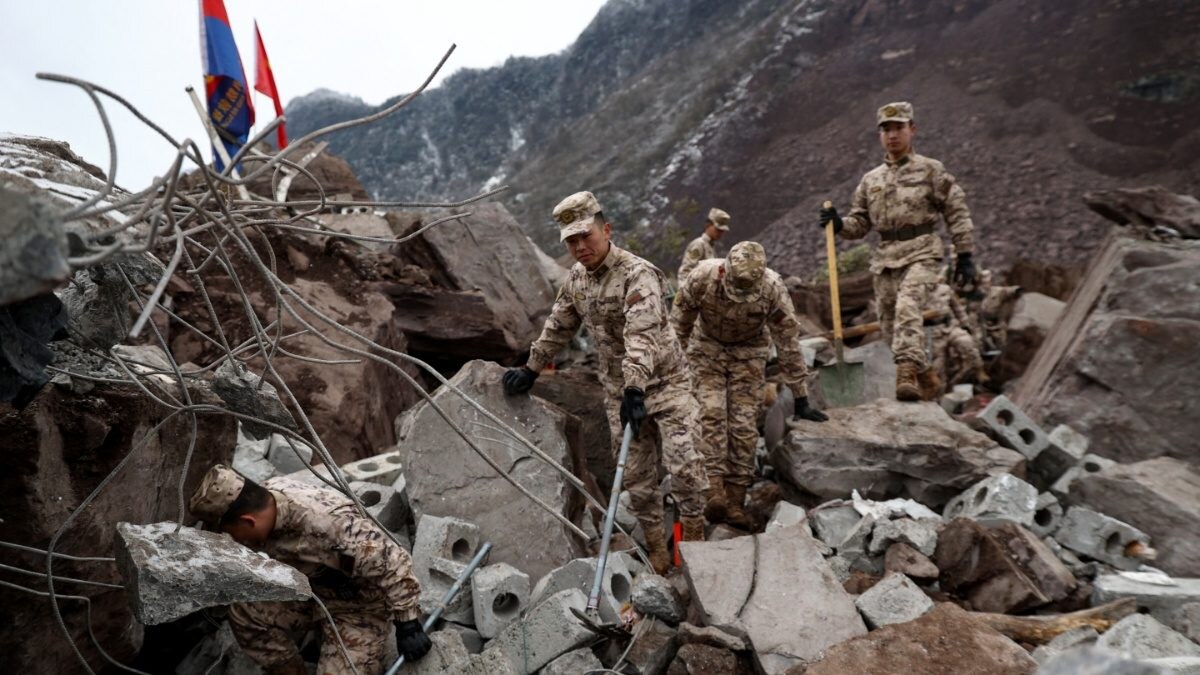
(263,630)
(901,295)
(955,353)
(670,424)
(729,387)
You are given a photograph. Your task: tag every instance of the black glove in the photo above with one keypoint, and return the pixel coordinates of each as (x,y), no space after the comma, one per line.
(831,214)
(411,640)
(518,380)
(801,411)
(633,409)
(343,587)
(964,270)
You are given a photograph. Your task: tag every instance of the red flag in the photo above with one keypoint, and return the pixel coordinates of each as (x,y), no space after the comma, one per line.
(264,81)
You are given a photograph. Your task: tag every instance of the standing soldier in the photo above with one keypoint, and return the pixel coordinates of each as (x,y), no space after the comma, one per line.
(741,306)
(903,198)
(619,297)
(362,576)
(701,247)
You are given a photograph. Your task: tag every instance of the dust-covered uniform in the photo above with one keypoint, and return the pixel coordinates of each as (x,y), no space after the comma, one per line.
(728,341)
(318,531)
(903,199)
(954,350)
(621,303)
(701,248)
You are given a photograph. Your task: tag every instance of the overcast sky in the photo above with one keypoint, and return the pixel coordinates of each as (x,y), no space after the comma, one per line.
(149,50)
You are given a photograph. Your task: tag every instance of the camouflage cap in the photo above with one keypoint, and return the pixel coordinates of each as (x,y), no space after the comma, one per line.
(719,219)
(900,111)
(745,267)
(575,214)
(218,489)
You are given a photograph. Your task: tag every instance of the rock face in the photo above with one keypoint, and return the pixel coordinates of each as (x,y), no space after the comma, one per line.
(171,574)
(56,451)
(1160,497)
(1113,366)
(935,644)
(776,589)
(887,449)
(455,481)
(1148,207)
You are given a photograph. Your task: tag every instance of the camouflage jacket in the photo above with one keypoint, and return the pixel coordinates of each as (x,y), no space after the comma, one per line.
(621,303)
(945,301)
(909,192)
(316,528)
(701,248)
(744,328)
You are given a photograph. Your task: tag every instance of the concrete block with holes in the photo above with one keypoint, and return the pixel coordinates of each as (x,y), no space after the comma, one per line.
(1013,428)
(441,551)
(1088,464)
(1102,538)
(383,469)
(995,500)
(383,502)
(1047,515)
(498,594)
(615,590)
(1065,450)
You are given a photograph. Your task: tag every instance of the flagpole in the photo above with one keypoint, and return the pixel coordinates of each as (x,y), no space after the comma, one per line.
(216,142)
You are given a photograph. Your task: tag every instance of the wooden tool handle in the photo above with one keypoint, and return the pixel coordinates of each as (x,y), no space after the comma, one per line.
(831,255)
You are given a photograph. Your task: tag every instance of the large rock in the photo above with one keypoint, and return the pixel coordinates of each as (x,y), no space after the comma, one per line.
(33,248)
(1113,366)
(447,478)
(1160,497)
(1033,317)
(577,390)
(171,574)
(946,641)
(56,450)
(1148,207)
(887,448)
(976,566)
(775,588)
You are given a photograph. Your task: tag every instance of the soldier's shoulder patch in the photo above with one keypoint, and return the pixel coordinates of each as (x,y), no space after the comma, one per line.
(634,298)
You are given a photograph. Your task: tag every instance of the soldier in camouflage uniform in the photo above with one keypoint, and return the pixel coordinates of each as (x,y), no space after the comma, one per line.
(619,297)
(364,578)
(955,351)
(903,199)
(740,306)
(991,312)
(701,247)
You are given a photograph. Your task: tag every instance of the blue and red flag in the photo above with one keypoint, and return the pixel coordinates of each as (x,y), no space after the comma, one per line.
(229,106)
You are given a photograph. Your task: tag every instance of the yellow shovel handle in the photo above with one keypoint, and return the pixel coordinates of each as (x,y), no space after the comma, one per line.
(831,255)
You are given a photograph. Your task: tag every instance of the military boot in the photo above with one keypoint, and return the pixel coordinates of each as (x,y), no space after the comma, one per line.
(716,505)
(656,548)
(693,528)
(931,384)
(907,388)
(737,516)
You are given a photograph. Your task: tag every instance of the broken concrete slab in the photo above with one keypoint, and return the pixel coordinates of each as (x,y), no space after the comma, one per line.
(33,257)
(1103,538)
(573,663)
(785,597)
(169,574)
(832,523)
(652,652)
(1143,637)
(1040,565)
(547,631)
(921,534)
(1160,497)
(455,481)
(1166,598)
(655,596)
(937,643)
(499,593)
(245,392)
(1002,498)
(1047,515)
(1013,428)
(975,565)
(579,574)
(1089,660)
(887,449)
(383,468)
(895,599)
(786,514)
(700,659)
(904,559)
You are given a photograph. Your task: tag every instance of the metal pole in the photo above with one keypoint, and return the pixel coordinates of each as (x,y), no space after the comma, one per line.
(609,517)
(216,141)
(448,597)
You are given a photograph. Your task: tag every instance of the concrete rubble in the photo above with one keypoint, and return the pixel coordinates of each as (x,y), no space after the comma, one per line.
(895,599)
(615,589)
(170,574)
(547,631)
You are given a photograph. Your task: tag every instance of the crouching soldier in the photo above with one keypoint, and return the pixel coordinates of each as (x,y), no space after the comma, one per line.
(362,576)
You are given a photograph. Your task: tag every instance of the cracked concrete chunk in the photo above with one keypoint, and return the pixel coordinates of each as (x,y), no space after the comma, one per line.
(245,392)
(169,575)
(545,632)
(1143,637)
(895,599)
(777,590)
